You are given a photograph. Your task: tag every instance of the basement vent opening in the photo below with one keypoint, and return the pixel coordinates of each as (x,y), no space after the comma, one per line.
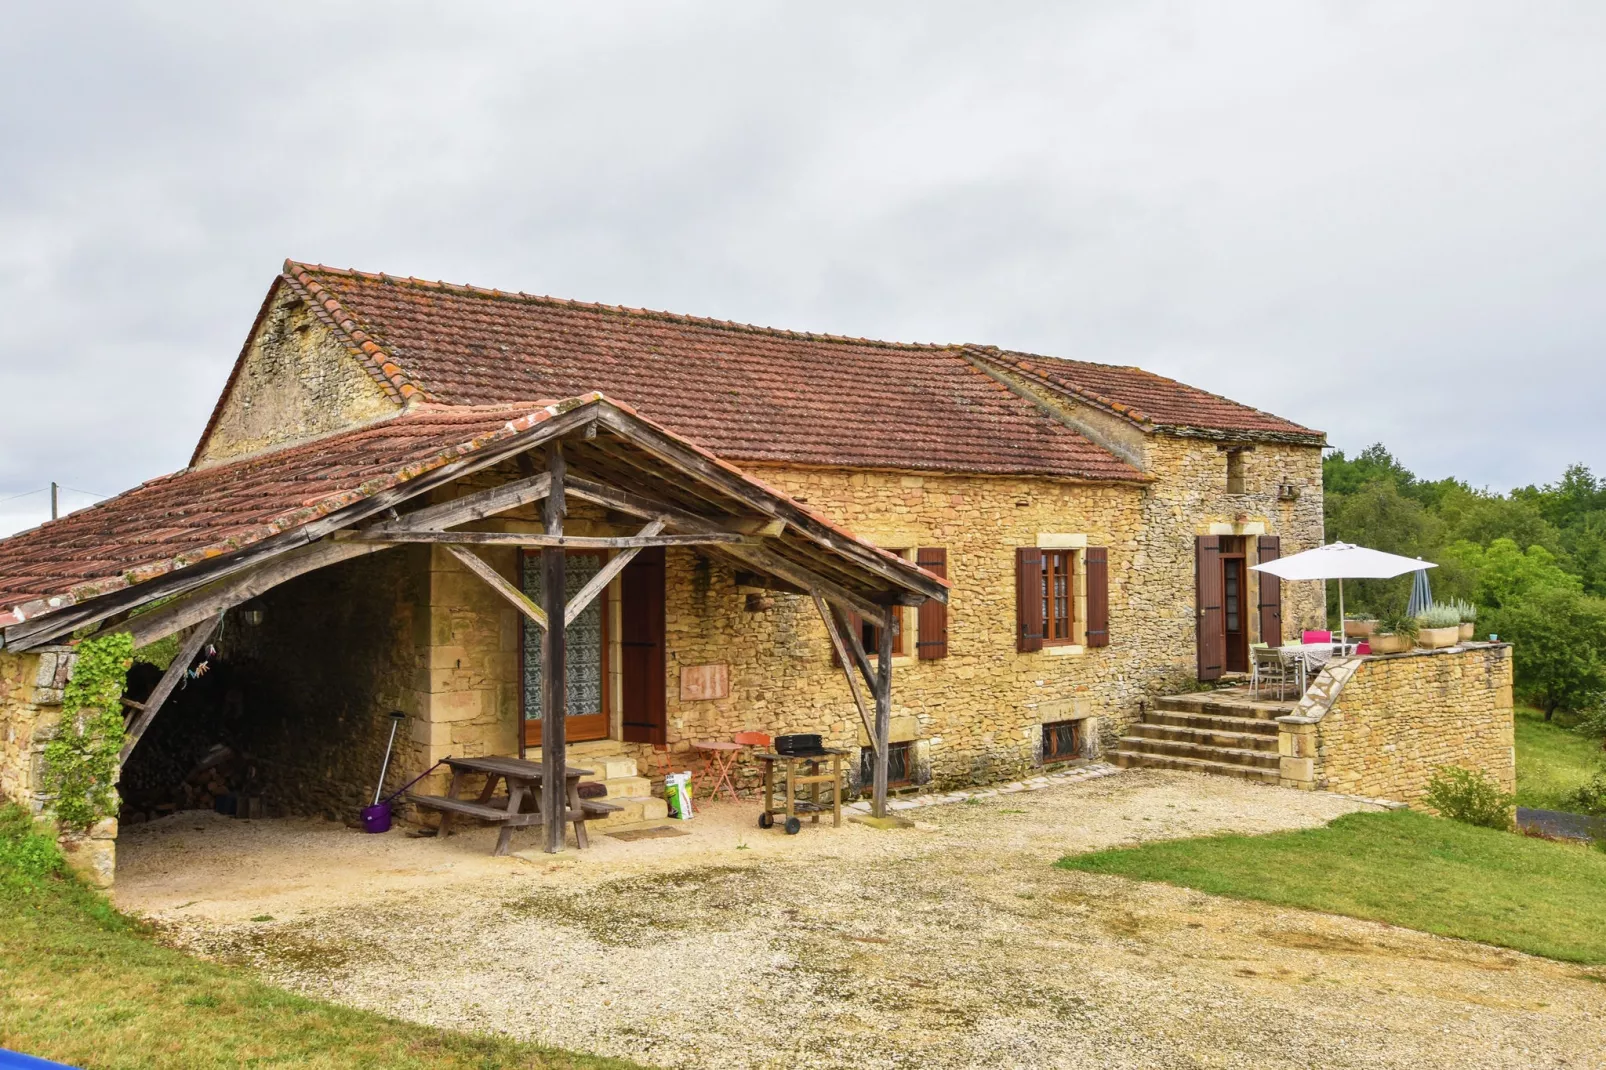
(900,765)
(1062,741)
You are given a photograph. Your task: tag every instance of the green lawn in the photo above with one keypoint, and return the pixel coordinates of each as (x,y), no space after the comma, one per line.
(83,985)
(1553,761)
(1400,867)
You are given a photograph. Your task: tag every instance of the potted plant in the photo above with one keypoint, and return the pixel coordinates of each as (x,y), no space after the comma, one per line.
(1469,618)
(1440,627)
(1395,634)
(1359,626)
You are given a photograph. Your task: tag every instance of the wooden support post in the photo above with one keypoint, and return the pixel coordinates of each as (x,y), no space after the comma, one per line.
(168,683)
(883,714)
(554,662)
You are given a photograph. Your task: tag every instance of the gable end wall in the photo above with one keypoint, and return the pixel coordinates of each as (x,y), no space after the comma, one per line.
(297,381)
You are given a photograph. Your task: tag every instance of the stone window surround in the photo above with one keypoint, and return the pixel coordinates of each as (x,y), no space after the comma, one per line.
(1076,543)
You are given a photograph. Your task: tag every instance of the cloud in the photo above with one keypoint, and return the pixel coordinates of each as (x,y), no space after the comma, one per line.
(1382,220)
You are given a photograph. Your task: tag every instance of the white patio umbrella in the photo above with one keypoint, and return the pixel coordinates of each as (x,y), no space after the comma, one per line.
(1342,561)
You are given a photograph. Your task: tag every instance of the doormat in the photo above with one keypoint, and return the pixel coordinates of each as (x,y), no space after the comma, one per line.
(647,834)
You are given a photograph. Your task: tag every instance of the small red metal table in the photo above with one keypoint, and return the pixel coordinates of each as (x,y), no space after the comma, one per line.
(719,762)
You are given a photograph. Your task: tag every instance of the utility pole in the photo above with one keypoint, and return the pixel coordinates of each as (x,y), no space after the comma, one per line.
(55,498)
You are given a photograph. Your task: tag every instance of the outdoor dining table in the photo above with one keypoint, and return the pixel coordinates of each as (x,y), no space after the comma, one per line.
(520,807)
(1306,659)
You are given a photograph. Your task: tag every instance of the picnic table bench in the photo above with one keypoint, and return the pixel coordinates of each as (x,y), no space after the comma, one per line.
(520,807)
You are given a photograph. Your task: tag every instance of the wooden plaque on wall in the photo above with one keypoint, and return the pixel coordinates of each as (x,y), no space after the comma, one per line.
(704,682)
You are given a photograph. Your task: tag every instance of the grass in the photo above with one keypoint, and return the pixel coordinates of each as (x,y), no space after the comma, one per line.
(87,986)
(1400,867)
(1553,761)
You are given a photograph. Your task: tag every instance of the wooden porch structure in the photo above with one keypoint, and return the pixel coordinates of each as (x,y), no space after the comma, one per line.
(587,449)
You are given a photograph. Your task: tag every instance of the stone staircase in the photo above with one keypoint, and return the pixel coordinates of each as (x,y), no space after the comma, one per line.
(627,788)
(1222,732)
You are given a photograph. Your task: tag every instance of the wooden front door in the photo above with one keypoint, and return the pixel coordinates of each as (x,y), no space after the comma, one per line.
(641,647)
(587,653)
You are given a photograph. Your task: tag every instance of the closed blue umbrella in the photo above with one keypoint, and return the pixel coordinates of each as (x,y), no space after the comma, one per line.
(1421,594)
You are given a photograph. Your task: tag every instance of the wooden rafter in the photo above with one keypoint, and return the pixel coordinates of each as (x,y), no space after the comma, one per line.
(562,542)
(498,583)
(167,684)
(596,584)
(827,614)
(470,507)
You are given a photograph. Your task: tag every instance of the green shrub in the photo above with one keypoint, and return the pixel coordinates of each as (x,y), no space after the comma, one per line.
(1591,798)
(1471,797)
(1440,616)
(80,767)
(26,855)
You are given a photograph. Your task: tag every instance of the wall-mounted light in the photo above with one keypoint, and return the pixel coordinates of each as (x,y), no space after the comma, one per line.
(253,617)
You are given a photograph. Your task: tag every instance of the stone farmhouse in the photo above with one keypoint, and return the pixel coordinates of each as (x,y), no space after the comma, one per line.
(1017,555)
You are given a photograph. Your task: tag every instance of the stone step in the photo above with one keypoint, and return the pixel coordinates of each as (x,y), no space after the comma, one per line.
(1131,760)
(1215,755)
(1223,707)
(633,808)
(605,767)
(1212,722)
(625,787)
(1207,737)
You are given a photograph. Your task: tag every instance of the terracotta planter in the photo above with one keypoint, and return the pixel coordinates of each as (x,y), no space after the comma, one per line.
(1468,631)
(1438,638)
(1359,629)
(1390,644)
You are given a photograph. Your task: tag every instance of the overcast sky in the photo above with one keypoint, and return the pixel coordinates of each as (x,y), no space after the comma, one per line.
(1384,220)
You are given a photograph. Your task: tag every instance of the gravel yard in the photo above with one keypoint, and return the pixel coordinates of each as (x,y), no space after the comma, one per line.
(953,944)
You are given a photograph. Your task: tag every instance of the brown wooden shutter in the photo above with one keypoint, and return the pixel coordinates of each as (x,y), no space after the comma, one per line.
(931,633)
(1269,548)
(1028,599)
(1212,636)
(1098,596)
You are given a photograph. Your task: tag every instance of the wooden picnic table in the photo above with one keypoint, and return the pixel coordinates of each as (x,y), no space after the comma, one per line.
(523,780)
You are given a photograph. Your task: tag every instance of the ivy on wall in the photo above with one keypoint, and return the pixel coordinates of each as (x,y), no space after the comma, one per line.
(81,761)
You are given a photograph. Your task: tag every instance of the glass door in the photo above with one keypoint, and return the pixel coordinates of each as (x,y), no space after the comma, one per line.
(586,650)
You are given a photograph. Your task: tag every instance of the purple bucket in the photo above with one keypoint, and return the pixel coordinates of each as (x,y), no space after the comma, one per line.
(376,818)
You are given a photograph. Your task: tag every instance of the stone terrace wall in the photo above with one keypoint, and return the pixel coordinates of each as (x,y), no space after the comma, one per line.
(1398,717)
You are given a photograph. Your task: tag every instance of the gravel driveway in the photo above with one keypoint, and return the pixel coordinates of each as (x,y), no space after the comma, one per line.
(954,944)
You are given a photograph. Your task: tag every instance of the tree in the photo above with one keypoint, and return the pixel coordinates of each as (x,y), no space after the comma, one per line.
(1506,575)
(1559,638)
(1380,517)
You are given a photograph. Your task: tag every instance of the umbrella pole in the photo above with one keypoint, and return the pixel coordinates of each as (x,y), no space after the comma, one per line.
(1341,636)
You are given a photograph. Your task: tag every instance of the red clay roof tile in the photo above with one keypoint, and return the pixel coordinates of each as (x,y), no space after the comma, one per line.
(746,393)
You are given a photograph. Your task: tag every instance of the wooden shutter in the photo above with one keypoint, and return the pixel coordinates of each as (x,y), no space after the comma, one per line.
(641,647)
(1269,548)
(931,632)
(1098,596)
(1212,637)
(1028,599)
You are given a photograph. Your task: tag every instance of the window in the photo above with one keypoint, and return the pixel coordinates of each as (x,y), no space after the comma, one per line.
(1059,594)
(1235,471)
(1062,741)
(900,765)
(870,634)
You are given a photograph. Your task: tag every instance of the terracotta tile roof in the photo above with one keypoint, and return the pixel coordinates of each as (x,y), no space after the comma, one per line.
(1149,400)
(746,393)
(179,520)
(201,513)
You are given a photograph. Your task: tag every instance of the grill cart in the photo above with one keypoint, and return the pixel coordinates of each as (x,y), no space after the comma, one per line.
(795,764)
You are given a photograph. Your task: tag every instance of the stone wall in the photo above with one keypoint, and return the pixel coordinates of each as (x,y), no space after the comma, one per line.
(976,713)
(1379,726)
(335,652)
(297,381)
